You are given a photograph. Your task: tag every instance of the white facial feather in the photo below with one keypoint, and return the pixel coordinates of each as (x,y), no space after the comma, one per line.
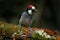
(30,11)
(33,7)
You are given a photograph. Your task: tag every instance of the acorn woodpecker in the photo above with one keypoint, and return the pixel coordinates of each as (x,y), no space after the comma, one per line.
(27,16)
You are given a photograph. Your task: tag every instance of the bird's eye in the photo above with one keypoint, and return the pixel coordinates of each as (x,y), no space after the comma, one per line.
(33,10)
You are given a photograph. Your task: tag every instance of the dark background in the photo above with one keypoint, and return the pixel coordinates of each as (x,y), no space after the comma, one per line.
(47,16)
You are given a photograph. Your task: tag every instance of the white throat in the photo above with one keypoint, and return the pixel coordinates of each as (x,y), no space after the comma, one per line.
(30,11)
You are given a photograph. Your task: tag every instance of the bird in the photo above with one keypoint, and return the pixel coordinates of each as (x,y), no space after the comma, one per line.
(26,18)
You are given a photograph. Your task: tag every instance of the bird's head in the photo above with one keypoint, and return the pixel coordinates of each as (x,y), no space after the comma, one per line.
(31,9)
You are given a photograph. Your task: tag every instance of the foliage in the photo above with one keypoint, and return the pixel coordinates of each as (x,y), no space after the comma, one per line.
(16,32)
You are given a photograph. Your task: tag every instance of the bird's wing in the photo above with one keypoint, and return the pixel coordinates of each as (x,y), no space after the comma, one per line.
(23,16)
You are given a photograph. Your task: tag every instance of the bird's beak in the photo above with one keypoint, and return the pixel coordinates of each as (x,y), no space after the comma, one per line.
(35,10)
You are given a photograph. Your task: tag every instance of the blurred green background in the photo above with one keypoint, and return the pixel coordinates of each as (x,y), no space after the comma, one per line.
(48,14)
